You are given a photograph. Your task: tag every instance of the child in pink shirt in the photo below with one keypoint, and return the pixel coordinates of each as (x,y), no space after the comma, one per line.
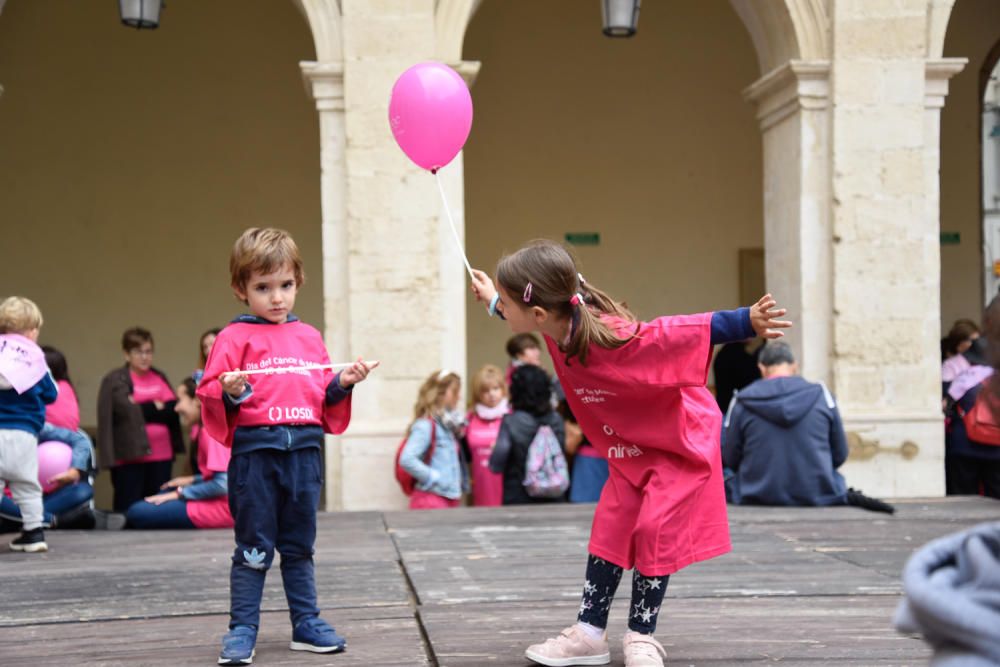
(490,392)
(638,392)
(193,501)
(65,412)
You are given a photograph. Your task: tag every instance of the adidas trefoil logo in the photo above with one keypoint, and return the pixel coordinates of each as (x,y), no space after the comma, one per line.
(254,559)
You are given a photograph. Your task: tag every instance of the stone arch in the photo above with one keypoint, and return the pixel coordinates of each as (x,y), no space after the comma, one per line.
(785,31)
(938,15)
(323,18)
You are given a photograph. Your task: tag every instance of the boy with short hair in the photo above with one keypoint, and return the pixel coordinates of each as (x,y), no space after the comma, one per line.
(274,424)
(26,387)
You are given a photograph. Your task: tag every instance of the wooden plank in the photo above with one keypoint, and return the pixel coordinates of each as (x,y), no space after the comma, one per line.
(793,631)
(375,636)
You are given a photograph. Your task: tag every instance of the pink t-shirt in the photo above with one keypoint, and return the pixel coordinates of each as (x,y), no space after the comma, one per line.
(65,411)
(213,457)
(146,388)
(487,486)
(645,407)
(283,398)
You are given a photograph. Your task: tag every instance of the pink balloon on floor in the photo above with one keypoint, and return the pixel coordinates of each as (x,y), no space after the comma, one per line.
(53,458)
(430,114)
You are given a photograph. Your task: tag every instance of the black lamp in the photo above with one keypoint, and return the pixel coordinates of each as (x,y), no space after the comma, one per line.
(140,14)
(621,17)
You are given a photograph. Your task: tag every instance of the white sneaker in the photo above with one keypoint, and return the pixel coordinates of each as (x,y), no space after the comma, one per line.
(642,650)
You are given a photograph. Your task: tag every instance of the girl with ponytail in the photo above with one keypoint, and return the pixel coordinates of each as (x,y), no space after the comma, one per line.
(638,392)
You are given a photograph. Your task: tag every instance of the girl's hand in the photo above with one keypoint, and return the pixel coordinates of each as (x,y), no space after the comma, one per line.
(161,498)
(71,476)
(763,318)
(482,286)
(187,480)
(357,373)
(233,383)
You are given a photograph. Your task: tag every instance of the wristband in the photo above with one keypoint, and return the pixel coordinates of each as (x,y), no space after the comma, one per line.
(492,310)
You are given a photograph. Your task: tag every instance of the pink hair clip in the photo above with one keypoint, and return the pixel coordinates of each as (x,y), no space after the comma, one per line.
(527,293)
(576,300)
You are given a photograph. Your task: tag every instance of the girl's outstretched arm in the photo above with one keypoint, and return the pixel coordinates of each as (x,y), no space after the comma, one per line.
(764,318)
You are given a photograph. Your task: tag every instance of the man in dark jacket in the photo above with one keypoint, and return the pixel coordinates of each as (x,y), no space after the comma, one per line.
(783,438)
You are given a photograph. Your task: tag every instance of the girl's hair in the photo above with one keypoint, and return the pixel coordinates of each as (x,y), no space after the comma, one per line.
(431,393)
(486,377)
(530,390)
(57,363)
(202,359)
(554,279)
(135,338)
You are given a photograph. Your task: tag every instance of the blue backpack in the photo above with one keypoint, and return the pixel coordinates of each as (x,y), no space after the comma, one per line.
(546,474)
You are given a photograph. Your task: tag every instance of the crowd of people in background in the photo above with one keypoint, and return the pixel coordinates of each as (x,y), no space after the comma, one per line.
(782,439)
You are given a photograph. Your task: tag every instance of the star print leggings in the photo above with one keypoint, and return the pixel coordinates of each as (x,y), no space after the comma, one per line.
(599,590)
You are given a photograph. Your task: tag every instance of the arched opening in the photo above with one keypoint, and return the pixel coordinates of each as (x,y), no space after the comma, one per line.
(968,246)
(989,86)
(643,150)
(131,160)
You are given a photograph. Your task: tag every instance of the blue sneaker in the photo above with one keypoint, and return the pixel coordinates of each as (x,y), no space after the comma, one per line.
(316,635)
(238,646)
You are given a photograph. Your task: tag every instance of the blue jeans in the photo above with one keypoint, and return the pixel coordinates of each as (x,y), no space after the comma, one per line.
(273,496)
(58,502)
(147,516)
(587,479)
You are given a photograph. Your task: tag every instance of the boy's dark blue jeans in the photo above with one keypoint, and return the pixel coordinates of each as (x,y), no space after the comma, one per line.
(273,496)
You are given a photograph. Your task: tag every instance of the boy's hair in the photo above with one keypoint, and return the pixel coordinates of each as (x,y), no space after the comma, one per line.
(431,392)
(19,315)
(486,377)
(518,343)
(775,353)
(555,280)
(530,390)
(56,362)
(135,337)
(190,386)
(264,250)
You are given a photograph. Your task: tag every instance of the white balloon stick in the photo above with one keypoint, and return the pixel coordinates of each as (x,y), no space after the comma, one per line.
(307,367)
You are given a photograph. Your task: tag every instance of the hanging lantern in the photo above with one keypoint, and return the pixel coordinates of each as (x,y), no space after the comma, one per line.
(140,14)
(621,17)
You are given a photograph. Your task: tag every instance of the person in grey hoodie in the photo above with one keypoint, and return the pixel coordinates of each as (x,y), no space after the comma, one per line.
(783,439)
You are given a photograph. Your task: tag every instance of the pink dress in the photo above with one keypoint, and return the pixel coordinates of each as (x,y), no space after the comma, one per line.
(487,486)
(65,411)
(644,406)
(213,457)
(146,388)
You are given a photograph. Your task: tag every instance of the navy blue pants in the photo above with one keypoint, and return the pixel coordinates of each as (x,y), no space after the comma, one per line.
(172,514)
(273,496)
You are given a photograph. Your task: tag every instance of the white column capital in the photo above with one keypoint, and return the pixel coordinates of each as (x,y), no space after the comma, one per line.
(468,69)
(325,84)
(796,85)
(938,72)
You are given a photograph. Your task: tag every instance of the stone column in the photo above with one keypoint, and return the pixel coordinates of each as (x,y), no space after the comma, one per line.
(793,110)
(401,299)
(886,280)
(325,84)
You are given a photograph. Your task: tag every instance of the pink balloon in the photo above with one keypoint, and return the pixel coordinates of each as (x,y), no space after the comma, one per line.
(430,114)
(53,458)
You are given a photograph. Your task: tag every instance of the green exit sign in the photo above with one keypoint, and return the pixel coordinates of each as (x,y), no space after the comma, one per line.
(951,238)
(583,238)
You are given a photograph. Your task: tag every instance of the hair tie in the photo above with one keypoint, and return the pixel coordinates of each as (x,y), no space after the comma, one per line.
(527,293)
(582,281)
(576,299)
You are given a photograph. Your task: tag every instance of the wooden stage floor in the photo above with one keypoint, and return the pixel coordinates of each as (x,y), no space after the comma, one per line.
(474,587)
